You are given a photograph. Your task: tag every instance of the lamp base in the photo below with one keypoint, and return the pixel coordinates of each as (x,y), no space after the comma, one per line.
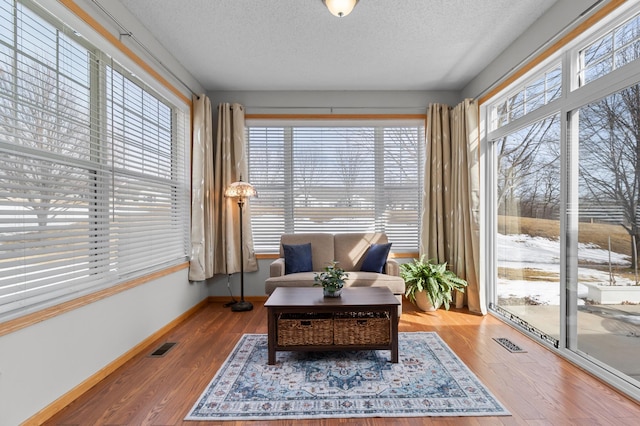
(241,306)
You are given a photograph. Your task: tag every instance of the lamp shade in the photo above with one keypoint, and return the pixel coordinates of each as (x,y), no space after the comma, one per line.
(340,8)
(240,189)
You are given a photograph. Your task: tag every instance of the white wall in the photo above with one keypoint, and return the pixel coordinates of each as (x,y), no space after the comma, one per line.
(253,282)
(335,102)
(551,24)
(40,363)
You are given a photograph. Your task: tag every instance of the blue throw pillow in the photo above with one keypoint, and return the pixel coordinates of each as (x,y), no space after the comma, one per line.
(297,258)
(376,258)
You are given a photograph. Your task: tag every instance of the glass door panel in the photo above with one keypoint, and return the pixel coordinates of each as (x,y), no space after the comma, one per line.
(608,311)
(528,244)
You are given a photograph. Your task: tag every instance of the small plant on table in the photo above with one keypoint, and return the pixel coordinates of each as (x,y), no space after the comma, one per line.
(332,279)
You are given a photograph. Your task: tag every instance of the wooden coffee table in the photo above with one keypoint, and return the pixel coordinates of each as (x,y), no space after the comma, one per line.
(310,300)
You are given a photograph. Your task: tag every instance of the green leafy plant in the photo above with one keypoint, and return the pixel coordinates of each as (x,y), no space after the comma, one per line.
(332,279)
(433,278)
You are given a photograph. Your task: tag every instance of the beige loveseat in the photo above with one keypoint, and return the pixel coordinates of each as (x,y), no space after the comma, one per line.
(349,250)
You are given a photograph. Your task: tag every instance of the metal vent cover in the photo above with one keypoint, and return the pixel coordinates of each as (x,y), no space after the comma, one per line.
(162,350)
(509,345)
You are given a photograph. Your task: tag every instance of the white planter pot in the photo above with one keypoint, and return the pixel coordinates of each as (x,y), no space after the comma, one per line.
(423,303)
(612,294)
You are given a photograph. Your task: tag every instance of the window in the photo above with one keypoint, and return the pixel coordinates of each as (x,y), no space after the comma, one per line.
(544,87)
(148,214)
(563,196)
(616,48)
(336,176)
(92,172)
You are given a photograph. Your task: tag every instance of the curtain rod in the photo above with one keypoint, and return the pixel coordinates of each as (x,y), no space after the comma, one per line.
(332,107)
(129,34)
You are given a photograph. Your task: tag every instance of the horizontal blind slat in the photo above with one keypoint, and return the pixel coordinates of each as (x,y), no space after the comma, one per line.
(94,186)
(328,176)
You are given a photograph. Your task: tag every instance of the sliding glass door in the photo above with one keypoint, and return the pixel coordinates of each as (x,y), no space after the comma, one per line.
(563,200)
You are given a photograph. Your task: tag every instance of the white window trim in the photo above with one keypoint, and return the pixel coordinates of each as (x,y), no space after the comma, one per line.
(571,100)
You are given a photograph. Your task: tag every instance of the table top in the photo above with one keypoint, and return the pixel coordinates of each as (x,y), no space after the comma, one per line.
(313,297)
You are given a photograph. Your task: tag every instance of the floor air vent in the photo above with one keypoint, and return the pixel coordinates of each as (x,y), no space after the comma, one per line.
(162,350)
(508,344)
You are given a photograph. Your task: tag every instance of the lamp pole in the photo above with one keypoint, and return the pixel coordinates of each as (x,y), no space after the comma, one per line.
(242,305)
(241,190)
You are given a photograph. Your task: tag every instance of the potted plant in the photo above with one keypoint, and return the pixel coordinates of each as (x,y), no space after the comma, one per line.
(331,280)
(430,285)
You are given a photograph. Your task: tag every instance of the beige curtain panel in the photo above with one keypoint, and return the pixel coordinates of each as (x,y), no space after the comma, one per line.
(201,264)
(450,227)
(230,164)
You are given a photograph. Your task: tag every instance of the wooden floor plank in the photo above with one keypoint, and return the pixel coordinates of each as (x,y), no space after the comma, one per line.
(537,387)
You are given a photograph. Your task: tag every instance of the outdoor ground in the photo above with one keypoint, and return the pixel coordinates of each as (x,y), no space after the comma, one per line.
(529,286)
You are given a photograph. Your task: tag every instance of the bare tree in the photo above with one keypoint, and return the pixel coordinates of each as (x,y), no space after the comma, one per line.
(401,160)
(39,112)
(527,167)
(610,156)
(350,161)
(307,168)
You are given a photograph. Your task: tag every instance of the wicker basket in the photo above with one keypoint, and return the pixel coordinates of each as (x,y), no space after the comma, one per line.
(305,329)
(362,328)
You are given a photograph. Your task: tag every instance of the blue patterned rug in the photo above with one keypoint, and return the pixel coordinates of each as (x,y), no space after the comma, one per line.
(429,380)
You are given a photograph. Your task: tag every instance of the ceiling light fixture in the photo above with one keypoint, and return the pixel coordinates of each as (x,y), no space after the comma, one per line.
(340,8)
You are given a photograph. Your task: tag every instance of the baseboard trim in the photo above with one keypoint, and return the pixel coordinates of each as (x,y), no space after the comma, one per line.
(60,403)
(225,299)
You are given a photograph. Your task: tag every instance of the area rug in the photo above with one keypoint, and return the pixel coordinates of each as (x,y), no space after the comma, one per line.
(428,380)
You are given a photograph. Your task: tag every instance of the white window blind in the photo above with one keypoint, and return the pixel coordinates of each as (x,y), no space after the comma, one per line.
(336,176)
(92,185)
(149,225)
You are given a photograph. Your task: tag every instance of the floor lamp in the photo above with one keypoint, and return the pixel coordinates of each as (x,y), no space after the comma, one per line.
(241,190)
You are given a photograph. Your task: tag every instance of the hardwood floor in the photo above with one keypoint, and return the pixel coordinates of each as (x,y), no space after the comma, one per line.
(537,387)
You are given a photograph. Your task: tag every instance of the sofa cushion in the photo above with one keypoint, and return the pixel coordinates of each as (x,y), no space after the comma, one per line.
(351,247)
(300,279)
(376,258)
(373,279)
(322,253)
(355,279)
(297,258)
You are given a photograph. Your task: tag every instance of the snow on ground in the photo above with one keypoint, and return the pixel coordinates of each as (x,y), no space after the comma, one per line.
(520,251)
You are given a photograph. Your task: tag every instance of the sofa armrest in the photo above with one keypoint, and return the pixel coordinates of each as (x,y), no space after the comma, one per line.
(276,269)
(392,268)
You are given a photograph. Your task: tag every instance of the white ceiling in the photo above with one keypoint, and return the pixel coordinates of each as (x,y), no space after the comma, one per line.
(299,45)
